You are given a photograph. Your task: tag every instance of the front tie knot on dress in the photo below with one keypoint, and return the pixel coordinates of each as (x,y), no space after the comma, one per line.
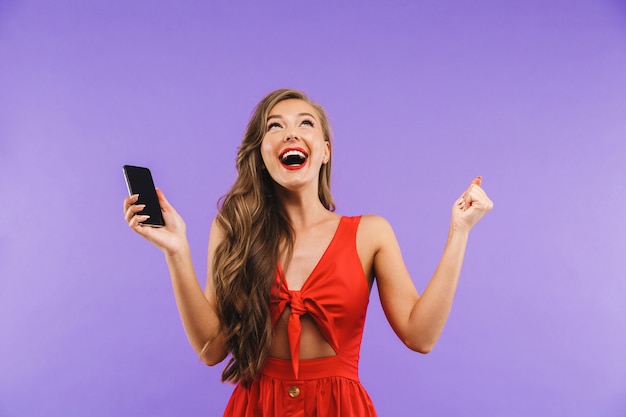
(300,306)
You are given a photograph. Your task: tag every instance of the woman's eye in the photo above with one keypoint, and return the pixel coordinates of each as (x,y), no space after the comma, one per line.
(307,122)
(273,126)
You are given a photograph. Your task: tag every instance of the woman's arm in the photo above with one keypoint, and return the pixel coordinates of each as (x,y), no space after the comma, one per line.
(197,308)
(418,320)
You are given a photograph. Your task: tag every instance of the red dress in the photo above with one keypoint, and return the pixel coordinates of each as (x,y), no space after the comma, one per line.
(335,296)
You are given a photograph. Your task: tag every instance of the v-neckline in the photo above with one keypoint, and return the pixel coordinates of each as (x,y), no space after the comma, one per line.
(319,261)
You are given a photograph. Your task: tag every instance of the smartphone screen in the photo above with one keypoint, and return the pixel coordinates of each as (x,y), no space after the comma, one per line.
(139,181)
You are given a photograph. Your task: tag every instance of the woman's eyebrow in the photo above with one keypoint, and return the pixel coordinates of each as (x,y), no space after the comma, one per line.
(278,116)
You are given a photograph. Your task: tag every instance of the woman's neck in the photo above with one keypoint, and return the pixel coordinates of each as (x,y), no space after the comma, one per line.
(303,209)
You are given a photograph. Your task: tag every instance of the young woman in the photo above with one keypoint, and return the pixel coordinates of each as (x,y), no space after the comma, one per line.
(289,279)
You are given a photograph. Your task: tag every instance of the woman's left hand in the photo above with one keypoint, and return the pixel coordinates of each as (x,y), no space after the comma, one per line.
(470,207)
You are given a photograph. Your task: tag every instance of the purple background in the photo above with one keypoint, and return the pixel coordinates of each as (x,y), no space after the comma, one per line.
(422,96)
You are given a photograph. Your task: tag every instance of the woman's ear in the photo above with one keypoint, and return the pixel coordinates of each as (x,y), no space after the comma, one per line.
(326,157)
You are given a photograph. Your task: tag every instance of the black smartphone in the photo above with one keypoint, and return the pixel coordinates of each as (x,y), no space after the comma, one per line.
(139,181)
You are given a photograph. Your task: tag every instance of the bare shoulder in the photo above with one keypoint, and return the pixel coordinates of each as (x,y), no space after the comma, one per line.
(216,235)
(373,235)
(374,220)
(374,229)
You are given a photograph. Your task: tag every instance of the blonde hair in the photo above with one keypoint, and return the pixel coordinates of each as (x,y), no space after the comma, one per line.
(256,228)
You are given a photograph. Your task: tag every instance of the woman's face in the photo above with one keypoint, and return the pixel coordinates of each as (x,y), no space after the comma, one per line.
(293,148)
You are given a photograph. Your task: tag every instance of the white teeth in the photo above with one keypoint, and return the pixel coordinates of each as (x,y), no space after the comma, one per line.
(293,153)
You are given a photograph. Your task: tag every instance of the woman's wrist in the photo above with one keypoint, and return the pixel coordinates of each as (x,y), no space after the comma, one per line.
(178,252)
(456,233)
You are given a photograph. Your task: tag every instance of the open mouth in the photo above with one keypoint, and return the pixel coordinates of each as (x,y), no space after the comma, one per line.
(293,158)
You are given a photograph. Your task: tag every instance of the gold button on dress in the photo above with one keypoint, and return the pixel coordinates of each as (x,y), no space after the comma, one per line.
(294,391)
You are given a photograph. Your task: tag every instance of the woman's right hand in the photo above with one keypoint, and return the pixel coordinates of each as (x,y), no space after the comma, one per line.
(171,238)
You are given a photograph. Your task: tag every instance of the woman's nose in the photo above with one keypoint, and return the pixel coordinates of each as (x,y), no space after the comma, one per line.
(290,136)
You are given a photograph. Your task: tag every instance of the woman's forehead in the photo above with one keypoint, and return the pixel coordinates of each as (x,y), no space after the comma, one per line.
(292,106)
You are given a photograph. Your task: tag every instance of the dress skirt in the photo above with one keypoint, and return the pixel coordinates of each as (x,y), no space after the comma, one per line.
(325,387)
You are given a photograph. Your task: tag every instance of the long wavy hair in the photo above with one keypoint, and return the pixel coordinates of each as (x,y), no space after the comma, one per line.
(257,233)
